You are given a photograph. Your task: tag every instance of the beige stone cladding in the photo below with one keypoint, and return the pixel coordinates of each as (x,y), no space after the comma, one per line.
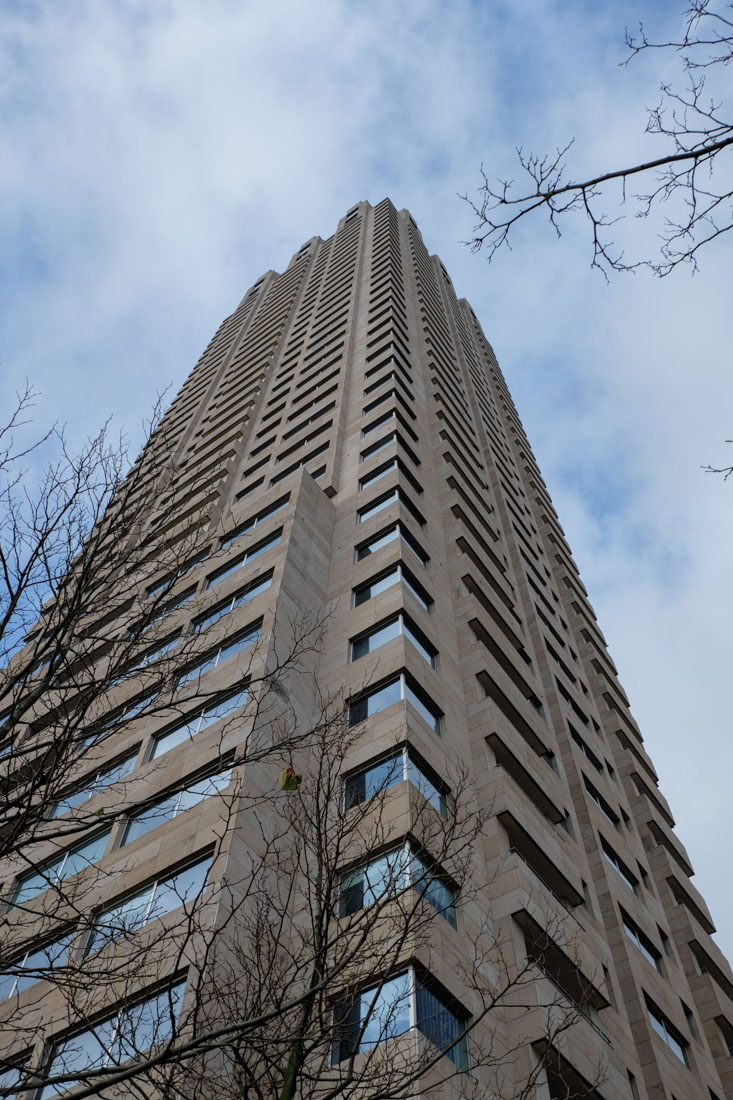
(370,528)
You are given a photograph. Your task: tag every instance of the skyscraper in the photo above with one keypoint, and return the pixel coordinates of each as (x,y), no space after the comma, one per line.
(340,517)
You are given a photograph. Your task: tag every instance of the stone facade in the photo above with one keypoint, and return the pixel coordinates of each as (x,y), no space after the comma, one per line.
(350,421)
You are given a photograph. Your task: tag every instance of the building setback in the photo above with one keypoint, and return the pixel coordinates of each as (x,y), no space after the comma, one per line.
(345,457)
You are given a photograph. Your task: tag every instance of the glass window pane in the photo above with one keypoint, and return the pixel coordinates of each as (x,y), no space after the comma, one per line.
(377,506)
(214,712)
(179,888)
(120,920)
(432,719)
(378,542)
(144,1025)
(34,883)
(376,448)
(427,788)
(256,551)
(423,600)
(11,1077)
(439,893)
(441,1026)
(365,885)
(414,547)
(385,1013)
(113,1041)
(368,591)
(100,782)
(225,571)
(378,700)
(34,967)
(424,652)
(148,819)
(85,854)
(377,475)
(384,697)
(205,788)
(82,1052)
(174,737)
(378,778)
(373,641)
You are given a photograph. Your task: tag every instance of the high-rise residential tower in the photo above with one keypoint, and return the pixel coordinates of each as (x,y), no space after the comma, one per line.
(374,614)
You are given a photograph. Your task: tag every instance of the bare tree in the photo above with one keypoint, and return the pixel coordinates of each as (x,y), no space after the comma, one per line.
(290,949)
(687,189)
(310,964)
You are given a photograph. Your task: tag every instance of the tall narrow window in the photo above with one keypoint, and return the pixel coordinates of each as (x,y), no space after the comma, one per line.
(667,1031)
(642,941)
(619,866)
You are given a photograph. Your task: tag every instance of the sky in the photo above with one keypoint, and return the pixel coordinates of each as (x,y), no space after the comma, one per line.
(156,157)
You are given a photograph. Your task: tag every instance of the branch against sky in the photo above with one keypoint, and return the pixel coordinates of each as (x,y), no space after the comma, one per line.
(278,952)
(686,191)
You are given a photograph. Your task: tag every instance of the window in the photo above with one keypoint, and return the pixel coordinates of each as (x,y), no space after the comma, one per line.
(69,863)
(383,419)
(33,967)
(100,782)
(402,687)
(601,803)
(391,873)
(386,631)
(243,559)
(303,462)
(618,864)
(222,654)
(213,712)
(396,575)
(155,900)
(242,596)
(150,657)
(176,803)
(378,401)
(642,941)
(170,579)
(389,534)
(185,597)
(396,768)
(390,1009)
(377,474)
(12,1076)
(249,488)
(387,468)
(393,496)
(111,1042)
(667,1031)
(254,521)
(380,445)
